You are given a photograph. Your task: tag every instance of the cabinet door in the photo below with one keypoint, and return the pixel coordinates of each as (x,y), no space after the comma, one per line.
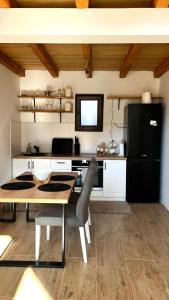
(20,166)
(143,180)
(114,179)
(61,165)
(42,164)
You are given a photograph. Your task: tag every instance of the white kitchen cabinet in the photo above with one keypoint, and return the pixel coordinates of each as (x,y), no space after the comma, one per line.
(114,180)
(20,165)
(60,165)
(42,164)
(24,165)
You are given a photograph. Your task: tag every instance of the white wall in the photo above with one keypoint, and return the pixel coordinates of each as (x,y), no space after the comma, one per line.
(48,125)
(9,89)
(164,90)
(53,25)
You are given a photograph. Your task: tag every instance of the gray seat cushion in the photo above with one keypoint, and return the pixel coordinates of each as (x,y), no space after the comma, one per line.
(77,212)
(52,215)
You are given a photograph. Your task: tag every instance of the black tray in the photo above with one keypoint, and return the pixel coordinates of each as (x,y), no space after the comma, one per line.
(17,185)
(25,177)
(61,177)
(54,187)
(34,154)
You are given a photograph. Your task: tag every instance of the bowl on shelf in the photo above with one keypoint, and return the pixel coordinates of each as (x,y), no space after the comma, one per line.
(42,176)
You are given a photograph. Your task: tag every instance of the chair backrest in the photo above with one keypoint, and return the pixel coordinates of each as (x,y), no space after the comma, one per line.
(83,201)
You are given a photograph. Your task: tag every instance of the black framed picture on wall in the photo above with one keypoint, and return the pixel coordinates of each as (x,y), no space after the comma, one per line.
(89,112)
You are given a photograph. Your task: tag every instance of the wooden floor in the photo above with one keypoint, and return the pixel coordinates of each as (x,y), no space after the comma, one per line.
(128,259)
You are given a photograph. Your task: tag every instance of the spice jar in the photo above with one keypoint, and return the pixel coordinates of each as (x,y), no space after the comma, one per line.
(68,106)
(68,92)
(59,92)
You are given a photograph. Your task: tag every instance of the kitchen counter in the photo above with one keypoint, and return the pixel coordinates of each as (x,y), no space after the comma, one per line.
(85,156)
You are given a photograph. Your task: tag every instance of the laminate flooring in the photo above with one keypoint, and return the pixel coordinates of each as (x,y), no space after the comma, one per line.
(128,259)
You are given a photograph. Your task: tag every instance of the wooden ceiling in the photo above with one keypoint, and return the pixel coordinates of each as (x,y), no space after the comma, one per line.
(103,57)
(90,3)
(97,57)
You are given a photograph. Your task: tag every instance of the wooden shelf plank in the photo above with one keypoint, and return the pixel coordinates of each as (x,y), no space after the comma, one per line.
(111,97)
(45,97)
(45,111)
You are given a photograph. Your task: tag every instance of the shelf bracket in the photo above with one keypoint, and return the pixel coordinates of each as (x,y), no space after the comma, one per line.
(119,103)
(34,114)
(60,110)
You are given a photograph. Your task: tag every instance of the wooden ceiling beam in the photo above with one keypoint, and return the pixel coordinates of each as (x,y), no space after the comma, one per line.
(11,65)
(87,57)
(82,3)
(86,49)
(45,58)
(8,4)
(128,60)
(162,68)
(160,3)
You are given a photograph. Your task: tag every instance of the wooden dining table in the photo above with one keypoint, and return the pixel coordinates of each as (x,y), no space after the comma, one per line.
(34,195)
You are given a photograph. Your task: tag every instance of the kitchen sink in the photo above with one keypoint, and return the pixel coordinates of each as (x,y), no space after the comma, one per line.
(34,154)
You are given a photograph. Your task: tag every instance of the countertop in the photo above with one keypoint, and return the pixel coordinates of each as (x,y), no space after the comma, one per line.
(85,156)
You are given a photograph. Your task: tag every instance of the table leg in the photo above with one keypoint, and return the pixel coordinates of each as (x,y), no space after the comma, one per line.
(40,264)
(28,219)
(13,219)
(63,234)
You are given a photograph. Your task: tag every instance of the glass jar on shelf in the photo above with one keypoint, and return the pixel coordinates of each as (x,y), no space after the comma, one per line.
(59,92)
(68,92)
(67,106)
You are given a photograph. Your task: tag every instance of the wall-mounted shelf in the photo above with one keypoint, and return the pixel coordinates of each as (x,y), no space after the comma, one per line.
(45,111)
(45,97)
(112,97)
(119,98)
(34,110)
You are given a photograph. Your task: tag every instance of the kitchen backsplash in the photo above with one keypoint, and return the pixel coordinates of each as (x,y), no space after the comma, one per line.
(41,134)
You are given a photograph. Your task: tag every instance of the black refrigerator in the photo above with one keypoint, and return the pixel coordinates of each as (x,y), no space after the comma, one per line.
(143,150)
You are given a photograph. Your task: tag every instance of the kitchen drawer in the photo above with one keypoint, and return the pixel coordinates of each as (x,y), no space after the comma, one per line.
(61,165)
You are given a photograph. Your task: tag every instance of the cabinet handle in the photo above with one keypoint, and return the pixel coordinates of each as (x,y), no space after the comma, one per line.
(32,164)
(28,165)
(105,165)
(61,162)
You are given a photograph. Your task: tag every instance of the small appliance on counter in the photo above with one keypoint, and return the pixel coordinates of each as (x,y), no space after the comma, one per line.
(77,146)
(121,149)
(62,146)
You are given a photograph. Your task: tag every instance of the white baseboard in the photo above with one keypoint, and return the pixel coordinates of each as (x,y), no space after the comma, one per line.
(97,198)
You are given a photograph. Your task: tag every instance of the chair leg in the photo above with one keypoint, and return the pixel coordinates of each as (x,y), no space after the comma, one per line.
(37,241)
(48,232)
(89,217)
(83,243)
(87,231)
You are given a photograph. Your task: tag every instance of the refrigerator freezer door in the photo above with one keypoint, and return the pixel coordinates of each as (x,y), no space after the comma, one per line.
(144,130)
(143,180)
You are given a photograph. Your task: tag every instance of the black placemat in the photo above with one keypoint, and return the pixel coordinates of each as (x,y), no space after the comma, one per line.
(25,177)
(17,185)
(54,187)
(61,177)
